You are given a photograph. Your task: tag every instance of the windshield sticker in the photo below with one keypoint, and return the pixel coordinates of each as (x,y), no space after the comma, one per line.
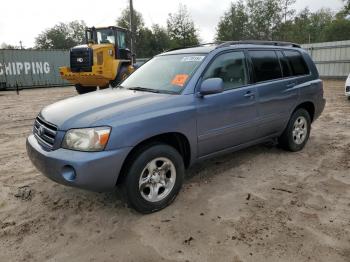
(192,58)
(179,80)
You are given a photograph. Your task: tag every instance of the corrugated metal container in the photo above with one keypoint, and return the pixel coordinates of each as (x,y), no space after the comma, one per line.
(32,68)
(331,58)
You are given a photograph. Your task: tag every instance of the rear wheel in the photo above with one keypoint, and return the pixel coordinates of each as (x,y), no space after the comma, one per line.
(154,178)
(297,131)
(85,89)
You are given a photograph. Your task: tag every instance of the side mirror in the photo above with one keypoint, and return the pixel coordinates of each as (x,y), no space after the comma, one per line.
(211,86)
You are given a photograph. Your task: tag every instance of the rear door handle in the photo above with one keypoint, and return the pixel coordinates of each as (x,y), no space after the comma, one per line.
(249,94)
(290,85)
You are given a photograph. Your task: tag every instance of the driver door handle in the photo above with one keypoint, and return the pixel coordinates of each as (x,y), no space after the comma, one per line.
(249,94)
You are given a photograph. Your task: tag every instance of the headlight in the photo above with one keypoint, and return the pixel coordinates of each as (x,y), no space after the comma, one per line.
(87,139)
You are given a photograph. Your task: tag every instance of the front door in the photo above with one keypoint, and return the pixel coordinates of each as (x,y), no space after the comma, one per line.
(227,119)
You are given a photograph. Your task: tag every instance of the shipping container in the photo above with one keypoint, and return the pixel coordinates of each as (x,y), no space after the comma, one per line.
(32,68)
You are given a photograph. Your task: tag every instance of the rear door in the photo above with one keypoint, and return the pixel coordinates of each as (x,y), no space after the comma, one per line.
(227,119)
(276,92)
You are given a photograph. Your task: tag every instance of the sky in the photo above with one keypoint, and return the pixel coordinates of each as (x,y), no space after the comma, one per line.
(23,20)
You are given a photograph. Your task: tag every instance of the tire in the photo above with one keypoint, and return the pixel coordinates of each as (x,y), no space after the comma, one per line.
(85,89)
(297,132)
(349,98)
(159,167)
(121,76)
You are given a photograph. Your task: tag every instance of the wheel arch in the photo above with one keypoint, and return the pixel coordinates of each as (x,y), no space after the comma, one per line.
(309,107)
(175,139)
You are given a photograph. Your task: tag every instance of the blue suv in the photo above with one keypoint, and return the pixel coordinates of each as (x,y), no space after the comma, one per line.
(181,107)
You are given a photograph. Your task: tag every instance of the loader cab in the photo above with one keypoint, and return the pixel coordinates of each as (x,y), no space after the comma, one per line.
(116,36)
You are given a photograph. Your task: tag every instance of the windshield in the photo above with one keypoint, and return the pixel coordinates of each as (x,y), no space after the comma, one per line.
(105,36)
(168,74)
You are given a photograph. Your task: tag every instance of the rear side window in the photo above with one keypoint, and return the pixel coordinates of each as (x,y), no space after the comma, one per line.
(266,65)
(286,69)
(297,63)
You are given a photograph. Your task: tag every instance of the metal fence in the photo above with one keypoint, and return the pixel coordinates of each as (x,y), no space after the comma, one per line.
(32,68)
(331,58)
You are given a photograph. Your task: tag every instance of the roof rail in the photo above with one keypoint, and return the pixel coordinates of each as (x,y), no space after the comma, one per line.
(185,47)
(258,42)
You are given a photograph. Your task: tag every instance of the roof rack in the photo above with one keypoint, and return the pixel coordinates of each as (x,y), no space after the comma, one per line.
(258,42)
(185,47)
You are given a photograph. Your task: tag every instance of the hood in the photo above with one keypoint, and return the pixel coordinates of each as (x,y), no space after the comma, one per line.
(93,109)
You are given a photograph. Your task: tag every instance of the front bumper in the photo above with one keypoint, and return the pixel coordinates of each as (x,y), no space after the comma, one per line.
(96,171)
(97,77)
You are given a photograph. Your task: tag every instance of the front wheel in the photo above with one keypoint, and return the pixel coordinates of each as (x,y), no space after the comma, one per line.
(154,178)
(121,76)
(297,131)
(85,89)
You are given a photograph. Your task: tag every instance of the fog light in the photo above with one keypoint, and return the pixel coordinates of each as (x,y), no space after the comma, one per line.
(68,173)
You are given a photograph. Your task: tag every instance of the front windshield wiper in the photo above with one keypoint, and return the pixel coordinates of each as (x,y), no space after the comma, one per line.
(145,89)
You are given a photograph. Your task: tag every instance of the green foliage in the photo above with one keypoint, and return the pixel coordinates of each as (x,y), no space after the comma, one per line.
(234,23)
(62,36)
(337,30)
(153,41)
(276,20)
(148,42)
(181,29)
(7,46)
(252,19)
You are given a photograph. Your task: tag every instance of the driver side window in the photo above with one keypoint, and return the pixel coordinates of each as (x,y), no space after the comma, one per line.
(231,68)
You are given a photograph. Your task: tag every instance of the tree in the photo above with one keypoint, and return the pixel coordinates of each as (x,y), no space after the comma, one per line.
(276,20)
(62,36)
(264,17)
(319,21)
(287,11)
(153,41)
(139,29)
(160,40)
(148,42)
(7,46)
(124,20)
(233,24)
(337,30)
(252,19)
(181,29)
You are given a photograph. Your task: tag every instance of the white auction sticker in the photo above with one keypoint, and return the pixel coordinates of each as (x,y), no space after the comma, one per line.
(192,58)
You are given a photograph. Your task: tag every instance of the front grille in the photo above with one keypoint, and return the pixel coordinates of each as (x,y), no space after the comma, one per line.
(81,59)
(44,132)
(347,89)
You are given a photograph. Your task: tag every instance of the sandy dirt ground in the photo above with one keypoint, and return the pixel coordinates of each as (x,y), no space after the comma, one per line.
(259,204)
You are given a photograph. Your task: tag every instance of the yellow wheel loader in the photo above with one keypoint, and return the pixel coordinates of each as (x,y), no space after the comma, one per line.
(103,61)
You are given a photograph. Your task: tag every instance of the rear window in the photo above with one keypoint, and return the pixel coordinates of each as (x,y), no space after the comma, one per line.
(297,63)
(266,65)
